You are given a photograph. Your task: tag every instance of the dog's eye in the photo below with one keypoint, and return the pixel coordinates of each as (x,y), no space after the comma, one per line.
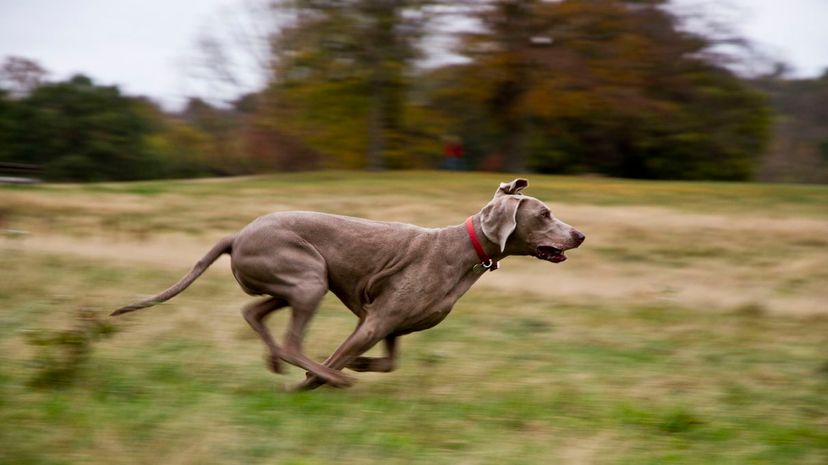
(546,214)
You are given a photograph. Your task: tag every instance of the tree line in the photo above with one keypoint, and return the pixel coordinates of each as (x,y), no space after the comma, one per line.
(618,88)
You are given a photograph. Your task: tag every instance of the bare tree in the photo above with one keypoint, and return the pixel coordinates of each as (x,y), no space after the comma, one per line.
(20,75)
(233,52)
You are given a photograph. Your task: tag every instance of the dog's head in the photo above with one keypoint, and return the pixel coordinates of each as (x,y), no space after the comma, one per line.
(523,225)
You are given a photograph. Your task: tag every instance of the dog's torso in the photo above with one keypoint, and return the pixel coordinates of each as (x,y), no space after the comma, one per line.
(411,276)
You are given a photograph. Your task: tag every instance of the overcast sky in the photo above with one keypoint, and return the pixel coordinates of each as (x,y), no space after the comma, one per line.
(144,45)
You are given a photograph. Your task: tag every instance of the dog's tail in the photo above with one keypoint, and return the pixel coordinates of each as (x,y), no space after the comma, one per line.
(222,247)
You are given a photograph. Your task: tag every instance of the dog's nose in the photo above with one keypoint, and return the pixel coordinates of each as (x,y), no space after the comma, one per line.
(578,236)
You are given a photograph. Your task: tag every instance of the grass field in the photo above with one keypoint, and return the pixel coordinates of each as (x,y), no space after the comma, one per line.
(691,328)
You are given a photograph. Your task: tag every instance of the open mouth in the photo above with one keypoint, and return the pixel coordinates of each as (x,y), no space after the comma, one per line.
(550,254)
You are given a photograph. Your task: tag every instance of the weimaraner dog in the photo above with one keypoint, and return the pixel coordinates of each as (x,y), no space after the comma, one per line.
(397,278)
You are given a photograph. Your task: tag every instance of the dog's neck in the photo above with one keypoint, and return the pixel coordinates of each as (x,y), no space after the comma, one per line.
(468,256)
(491,248)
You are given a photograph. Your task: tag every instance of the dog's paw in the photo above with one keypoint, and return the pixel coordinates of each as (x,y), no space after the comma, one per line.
(331,377)
(309,383)
(274,363)
(336,378)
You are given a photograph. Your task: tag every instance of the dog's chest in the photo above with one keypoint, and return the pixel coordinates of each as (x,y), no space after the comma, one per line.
(425,319)
(436,311)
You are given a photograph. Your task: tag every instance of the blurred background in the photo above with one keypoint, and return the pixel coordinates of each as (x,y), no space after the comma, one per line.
(690,328)
(687,89)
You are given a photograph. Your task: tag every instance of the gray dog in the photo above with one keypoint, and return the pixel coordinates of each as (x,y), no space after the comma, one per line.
(397,278)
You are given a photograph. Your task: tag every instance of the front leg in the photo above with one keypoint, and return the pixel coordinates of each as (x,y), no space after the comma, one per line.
(378,364)
(368,333)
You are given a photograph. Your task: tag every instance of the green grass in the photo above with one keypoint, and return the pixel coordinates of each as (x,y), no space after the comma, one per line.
(511,377)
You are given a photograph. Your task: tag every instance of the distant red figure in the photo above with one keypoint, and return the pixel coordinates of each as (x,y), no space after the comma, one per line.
(453,154)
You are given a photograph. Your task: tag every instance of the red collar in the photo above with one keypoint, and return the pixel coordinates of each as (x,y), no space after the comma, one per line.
(486,262)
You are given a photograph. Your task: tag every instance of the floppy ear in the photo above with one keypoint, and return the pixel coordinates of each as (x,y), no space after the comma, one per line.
(511,188)
(498,219)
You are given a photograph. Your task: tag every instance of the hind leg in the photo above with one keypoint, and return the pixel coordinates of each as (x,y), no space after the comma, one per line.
(304,306)
(279,263)
(254,313)
(303,309)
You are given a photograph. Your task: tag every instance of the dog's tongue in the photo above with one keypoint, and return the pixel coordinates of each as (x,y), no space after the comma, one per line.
(559,258)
